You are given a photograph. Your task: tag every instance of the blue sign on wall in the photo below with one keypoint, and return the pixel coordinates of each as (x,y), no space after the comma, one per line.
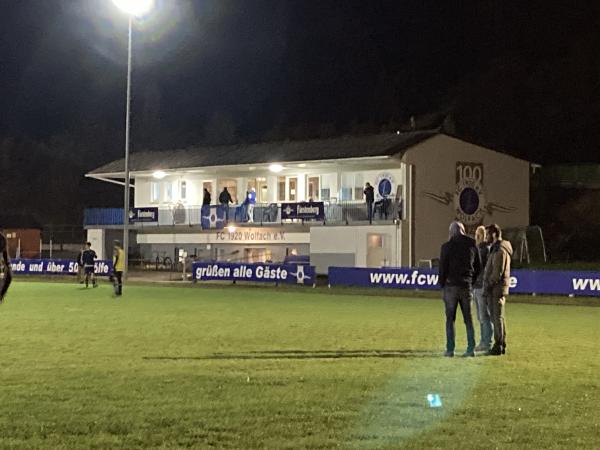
(55,267)
(142,215)
(303,210)
(521,281)
(274,273)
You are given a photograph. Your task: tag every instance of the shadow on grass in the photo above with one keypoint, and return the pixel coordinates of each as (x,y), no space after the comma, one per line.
(307,354)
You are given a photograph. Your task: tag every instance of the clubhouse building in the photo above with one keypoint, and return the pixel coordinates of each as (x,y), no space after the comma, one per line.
(309,199)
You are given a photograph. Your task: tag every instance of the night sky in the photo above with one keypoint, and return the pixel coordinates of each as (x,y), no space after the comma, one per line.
(523,77)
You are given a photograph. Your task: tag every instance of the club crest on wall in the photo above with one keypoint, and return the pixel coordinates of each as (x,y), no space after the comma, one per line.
(468,199)
(384,185)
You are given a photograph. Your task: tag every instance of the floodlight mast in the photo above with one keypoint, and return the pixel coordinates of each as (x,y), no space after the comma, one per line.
(133,8)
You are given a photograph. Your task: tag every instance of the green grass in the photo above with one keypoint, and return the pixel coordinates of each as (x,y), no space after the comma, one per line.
(168,367)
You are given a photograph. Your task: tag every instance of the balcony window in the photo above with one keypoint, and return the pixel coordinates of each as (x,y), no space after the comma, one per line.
(154,192)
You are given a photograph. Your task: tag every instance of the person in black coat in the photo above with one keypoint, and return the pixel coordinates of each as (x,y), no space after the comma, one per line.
(206,198)
(369,193)
(460,266)
(225,200)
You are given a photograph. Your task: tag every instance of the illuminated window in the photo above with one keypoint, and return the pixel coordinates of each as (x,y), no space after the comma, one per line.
(183,190)
(154,191)
(281,189)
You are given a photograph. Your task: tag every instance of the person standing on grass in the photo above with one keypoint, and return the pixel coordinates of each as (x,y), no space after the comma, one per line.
(369,193)
(118,267)
(483,313)
(496,281)
(87,258)
(459,268)
(7,271)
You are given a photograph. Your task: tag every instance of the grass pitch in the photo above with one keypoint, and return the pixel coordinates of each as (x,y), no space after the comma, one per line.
(168,367)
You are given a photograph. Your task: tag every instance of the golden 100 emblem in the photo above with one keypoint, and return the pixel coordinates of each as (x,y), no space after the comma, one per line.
(469,196)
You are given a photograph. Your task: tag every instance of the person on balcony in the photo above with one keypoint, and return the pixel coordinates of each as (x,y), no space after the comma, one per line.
(206,198)
(225,199)
(251,201)
(369,193)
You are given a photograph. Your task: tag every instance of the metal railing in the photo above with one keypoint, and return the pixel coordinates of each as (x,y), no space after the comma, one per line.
(265,214)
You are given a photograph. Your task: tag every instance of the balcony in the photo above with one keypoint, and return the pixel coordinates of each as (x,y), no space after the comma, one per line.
(341,213)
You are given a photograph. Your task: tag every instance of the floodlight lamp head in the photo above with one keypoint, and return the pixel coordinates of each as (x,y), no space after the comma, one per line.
(136,8)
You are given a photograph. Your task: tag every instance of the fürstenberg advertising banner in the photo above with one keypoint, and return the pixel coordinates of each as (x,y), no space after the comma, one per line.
(274,273)
(55,267)
(521,281)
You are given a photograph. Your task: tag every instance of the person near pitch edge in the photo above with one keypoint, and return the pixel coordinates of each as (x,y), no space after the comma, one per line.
(496,281)
(118,268)
(459,267)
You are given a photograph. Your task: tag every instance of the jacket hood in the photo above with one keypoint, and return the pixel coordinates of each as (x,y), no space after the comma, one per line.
(505,245)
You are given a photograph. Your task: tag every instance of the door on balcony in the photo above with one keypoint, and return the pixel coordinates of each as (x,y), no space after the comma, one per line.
(375,250)
(292,189)
(313,189)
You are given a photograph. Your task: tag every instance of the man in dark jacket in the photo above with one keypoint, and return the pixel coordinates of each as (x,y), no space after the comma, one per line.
(369,193)
(225,200)
(206,198)
(496,281)
(459,267)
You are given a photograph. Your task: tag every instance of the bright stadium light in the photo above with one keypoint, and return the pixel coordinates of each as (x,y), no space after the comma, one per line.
(159,174)
(135,7)
(275,168)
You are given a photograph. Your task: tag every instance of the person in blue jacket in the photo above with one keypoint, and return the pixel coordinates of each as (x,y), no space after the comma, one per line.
(250,202)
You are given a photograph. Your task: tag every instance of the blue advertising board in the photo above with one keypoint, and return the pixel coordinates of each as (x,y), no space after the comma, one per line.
(143,215)
(303,210)
(274,273)
(56,267)
(521,281)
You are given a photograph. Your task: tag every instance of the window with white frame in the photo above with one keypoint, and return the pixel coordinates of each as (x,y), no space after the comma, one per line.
(154,192)
(183,189)
(168,191)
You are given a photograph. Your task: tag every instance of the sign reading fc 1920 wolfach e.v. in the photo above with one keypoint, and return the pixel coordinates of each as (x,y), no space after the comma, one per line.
(274,273)
(303,210)
(55,267)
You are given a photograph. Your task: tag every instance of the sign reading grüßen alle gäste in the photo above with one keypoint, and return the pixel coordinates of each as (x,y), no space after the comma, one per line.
(274,273)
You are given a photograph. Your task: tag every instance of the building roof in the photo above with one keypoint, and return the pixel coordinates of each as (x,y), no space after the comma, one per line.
(385,144)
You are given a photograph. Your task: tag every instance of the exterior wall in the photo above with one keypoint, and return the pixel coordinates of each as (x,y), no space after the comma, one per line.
(27,238)
(97,237)
(504,197)
(223,245)
(347,246)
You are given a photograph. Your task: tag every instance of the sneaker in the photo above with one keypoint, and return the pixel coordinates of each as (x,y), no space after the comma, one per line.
(468,353)
(449,354)
(482,348)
